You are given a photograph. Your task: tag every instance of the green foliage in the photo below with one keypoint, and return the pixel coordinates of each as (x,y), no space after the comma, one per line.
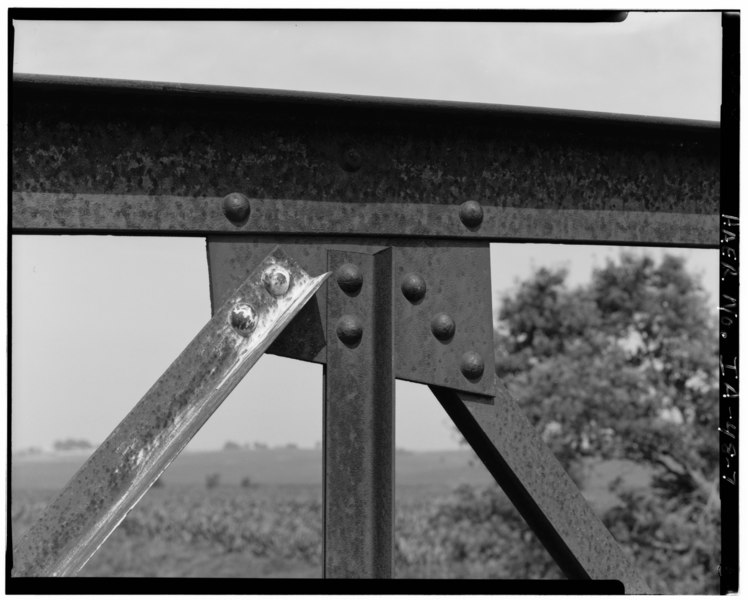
(674,545)
(472,532)
(282,525)
(213,481)
(626,367)
(466,533)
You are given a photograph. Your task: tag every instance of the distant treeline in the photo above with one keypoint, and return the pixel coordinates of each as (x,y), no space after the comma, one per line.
(71,444)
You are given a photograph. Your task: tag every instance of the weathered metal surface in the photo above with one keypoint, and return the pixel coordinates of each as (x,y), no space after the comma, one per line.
(127,463)
(359,418)
(515,454)
(534,173)
(99,213)
(457,283)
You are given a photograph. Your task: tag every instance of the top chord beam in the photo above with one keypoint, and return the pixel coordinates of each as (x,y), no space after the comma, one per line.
(106,156)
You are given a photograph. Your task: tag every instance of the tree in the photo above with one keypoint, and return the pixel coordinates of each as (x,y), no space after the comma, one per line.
(626,367)
(71,444)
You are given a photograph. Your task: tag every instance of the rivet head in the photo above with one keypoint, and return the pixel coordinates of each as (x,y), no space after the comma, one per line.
(443,327)
(471,214)
(472,365)
(349,330)
(243,319)
(413,287)
(276,280)
(236,208)
(351,160)
(349,277)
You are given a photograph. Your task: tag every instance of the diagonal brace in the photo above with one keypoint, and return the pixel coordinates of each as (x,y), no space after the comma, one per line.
(539,487)
(142,446)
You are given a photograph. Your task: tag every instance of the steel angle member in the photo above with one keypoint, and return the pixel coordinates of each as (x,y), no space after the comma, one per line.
(359,442)
(121,470)
(536,483)
(35,212)
(443,332)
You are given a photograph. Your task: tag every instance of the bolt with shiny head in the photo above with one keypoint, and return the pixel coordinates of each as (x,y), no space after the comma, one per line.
(276,280)
(243,319)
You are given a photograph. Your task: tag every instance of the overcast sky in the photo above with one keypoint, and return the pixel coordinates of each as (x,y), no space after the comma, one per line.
(96,320)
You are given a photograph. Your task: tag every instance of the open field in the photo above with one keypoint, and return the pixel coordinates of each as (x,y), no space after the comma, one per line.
(267,531)
(451,519)
(276,466)
(270,529)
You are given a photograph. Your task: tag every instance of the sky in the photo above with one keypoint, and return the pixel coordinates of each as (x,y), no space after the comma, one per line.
(96,320)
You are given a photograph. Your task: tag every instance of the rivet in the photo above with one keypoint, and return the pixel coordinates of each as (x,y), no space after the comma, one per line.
(472,365)
(243,319)
(349,330)
(236,208)
(413,287)
(471,214)
(351,160)
(276,280)
(349,277)
(443,327)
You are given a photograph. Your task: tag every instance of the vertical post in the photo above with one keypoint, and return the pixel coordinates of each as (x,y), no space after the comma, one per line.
(359,417)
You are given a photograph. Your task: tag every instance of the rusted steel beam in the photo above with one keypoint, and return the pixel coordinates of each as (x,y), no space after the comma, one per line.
(538,486)
(127,463)
(431,279)
(359,417)
(101,213)
(160,158)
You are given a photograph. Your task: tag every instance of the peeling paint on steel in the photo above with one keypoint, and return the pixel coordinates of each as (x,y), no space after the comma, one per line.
(536,483)
(457,279)
(127,463)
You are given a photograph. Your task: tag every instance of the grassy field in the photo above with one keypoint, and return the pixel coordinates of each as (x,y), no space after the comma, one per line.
(265,531)
(276,466)
(270,529)
(190,531)
(272,526)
